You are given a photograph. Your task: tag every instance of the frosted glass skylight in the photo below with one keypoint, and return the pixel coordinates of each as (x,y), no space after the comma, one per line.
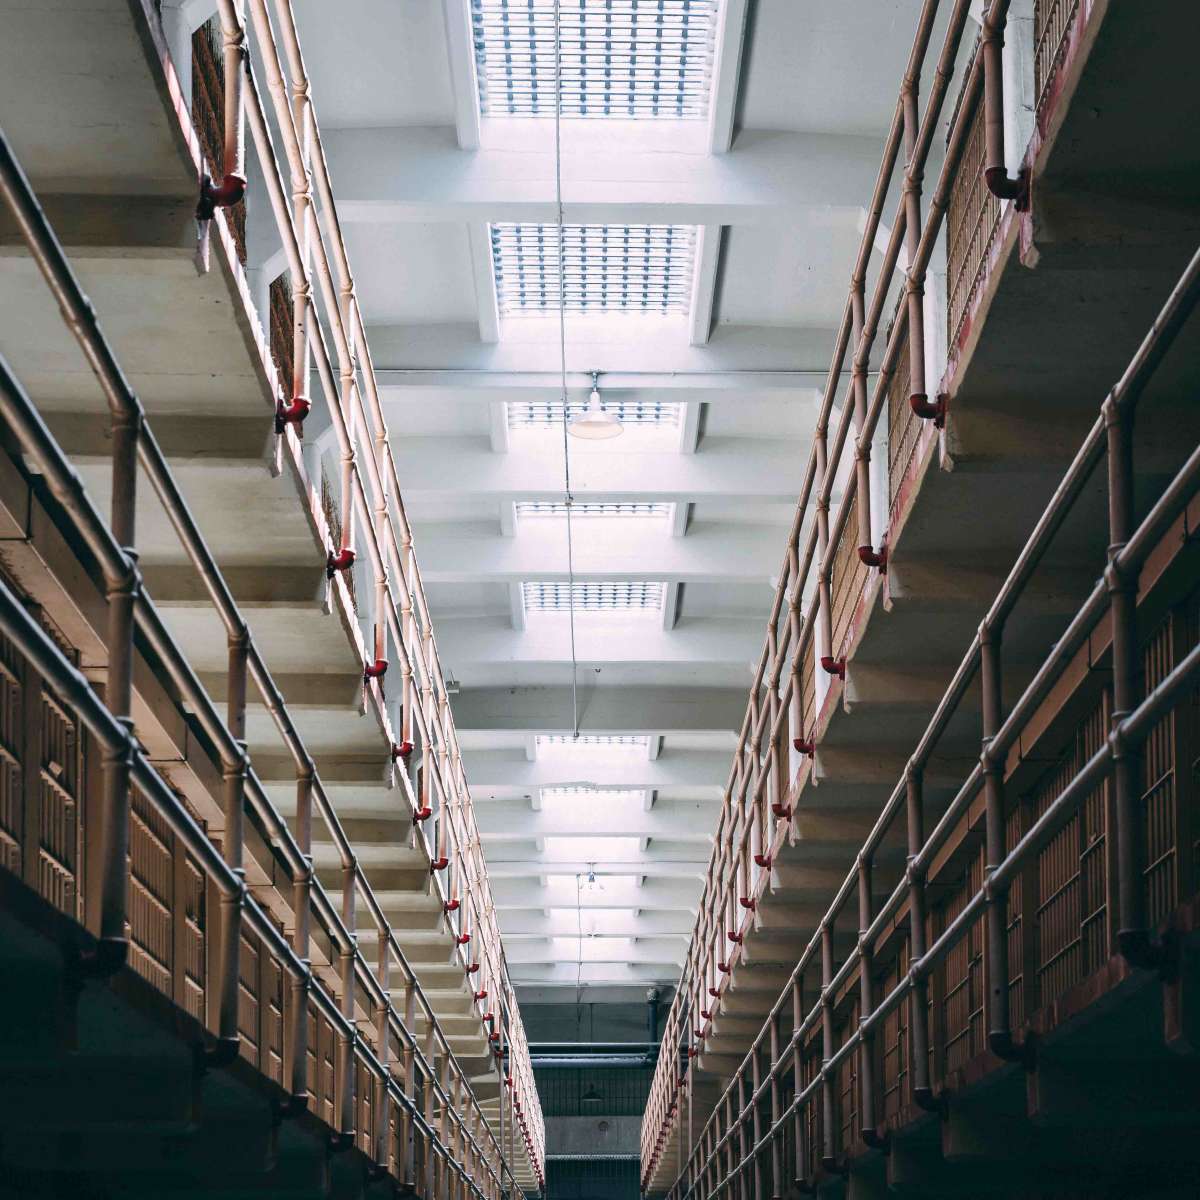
(644,269)
(584,797)
(633,59)
(523,413)
(598,596)
(558,508)
(553,743)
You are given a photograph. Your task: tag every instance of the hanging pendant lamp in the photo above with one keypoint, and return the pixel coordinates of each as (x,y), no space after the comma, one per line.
(594,423)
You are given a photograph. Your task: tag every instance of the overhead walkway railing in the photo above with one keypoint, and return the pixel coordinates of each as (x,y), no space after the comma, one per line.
(799,1100)
(370,519)
(832,556)
(400,1096)
(459,1142)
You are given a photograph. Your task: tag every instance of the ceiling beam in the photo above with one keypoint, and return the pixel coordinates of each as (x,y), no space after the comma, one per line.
(639,641)
(604,548)
(727,74)
(419,174)
(459,467)
(563,922)
(501,774)
(678,894)
(460,51)
(666,710)
(514,820)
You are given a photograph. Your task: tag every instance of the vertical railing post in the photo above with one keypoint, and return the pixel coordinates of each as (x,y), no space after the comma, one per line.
(922,1090)
(302,908)
(829,1145)
(1133,936)
(1000,1039)
(776,1112)
(121,594)
(868,1102)
(232,844)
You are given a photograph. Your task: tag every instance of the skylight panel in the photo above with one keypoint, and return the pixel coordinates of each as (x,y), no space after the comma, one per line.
(580,795)
(529,413)
(631,59)
(594,596)
(553,508)
(612,741)
(632,269)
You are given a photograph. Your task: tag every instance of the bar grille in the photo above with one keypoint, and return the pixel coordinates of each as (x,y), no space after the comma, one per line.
(526,413)
(633,59)
(645,269)
(597,596)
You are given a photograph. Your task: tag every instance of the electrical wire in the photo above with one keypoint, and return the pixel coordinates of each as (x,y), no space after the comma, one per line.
(568,499)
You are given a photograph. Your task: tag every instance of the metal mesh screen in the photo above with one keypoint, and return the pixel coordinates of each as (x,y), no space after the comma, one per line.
(640,59)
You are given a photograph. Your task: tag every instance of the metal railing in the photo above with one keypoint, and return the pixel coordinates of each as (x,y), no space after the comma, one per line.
(822,586)
(401,620)
(371,503)
(427,1078)
(839,1072)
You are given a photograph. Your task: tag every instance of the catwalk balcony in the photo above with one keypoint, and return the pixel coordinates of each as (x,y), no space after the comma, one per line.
(279,618)
(1012,315)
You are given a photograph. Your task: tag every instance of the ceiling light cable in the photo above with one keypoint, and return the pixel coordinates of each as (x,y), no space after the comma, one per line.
(562,359)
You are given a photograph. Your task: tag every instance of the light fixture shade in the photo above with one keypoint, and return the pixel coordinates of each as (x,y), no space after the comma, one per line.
(594,423)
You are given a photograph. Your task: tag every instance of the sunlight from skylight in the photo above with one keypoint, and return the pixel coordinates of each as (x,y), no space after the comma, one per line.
(639,59)
(581,797)
(553,508)
(627,747)
(628,269)
(600,596)
(633,414)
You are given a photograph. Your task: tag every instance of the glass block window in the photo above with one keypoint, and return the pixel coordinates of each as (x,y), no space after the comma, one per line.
(526,413)
(632,59)
(645,269)
(627,596)
(552,508)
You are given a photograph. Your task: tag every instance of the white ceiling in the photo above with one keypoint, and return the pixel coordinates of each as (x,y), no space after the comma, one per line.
(776,179)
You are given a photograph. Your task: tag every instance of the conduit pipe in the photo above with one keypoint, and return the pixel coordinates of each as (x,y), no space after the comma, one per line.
(232,187)
(995,173)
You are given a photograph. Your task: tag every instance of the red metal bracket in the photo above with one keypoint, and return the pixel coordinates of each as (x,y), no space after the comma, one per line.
(706,1015)
(734,936)
(375,670)
(403,750)
(1003,188)
(226,194)
(833,666)
(472,968)
(763,860)
(804,746)
(714,993)
(291,413)
(723,968)
(463,939)
(782,811)
(874,558)
(423,814)
(935,412)
(452,906)
(481,994)
(439,864)
(747,903)
(343,560)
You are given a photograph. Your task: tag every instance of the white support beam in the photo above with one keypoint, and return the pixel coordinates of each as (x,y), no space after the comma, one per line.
(516,606)
(658,951)
(672,598)
(727,74)
(459,467)
(689,427)
(460,51)
(604,548)
(738,358)
(561,922)
(419,174)
(640,643)
(717,712)
(516,772)
(484,275)
(503,821)
(704,284)
(528,893)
